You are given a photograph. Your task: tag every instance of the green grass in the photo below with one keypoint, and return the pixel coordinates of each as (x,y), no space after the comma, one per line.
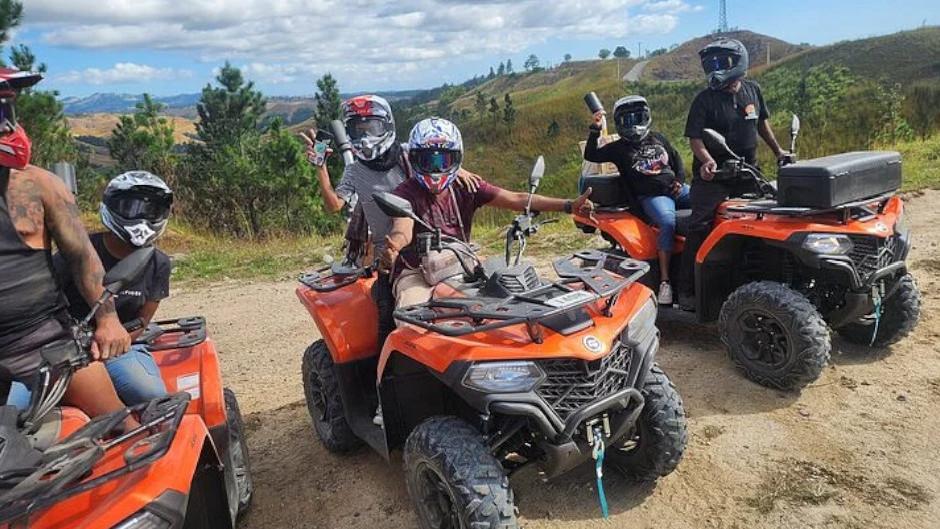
(921,162)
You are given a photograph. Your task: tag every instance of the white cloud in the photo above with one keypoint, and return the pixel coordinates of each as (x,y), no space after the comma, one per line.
(361,40)
(122,72)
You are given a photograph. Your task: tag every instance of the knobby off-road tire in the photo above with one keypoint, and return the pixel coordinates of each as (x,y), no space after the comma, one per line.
(324,402)
(238,444)
(899,315)
(660,438)
(453,480)
(774,335)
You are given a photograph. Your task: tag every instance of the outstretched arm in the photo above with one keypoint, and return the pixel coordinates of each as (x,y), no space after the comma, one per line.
(517,201)
(331,199)
(66,229)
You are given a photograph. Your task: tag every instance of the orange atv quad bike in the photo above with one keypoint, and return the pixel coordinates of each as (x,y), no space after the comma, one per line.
(500,369)
(186,466)
(824,248)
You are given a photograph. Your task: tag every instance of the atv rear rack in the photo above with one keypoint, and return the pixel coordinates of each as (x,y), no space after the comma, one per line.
(186,332)
(602,276)
(63,465)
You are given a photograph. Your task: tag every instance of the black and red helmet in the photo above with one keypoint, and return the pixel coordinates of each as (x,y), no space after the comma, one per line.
(15,147)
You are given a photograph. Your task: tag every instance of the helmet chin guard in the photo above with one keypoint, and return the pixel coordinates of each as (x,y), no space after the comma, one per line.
(15,149)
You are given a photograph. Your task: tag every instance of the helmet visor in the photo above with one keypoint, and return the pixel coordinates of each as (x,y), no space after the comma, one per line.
(7,116)
(358,128)
(636,117)
(722,61)
(151,206)
(434,161)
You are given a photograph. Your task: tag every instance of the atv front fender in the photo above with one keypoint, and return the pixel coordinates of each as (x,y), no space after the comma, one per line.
(153,487)
(346,318)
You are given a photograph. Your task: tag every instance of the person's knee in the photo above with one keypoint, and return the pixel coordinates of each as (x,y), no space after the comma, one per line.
(136,377)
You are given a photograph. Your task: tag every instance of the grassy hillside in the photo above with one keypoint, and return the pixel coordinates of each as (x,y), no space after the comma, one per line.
(903,57)
(101,125)
(683,62)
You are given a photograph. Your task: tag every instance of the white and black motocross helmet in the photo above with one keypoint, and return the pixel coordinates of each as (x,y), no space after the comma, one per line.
(136,207)
(370,126)
(633,118)
(724,61)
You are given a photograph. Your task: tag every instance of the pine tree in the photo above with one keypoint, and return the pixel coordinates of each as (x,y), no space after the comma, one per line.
(509,112)
(501,71)
(328,101)
(480,104)
(604,53)
(494,108)
(621,52)
(144,141)
(492,74)
(509,66)
(228,112)
(532,63)
(567,57)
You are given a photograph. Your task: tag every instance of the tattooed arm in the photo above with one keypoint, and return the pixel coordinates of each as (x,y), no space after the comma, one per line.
(65,227)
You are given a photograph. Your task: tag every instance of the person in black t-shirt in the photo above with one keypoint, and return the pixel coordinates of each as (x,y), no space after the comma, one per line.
(135,209)
(652,170)
(734,107)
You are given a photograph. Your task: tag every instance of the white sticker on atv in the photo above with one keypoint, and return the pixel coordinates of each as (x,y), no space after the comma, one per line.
(140,233)
(571,298)
(189,383)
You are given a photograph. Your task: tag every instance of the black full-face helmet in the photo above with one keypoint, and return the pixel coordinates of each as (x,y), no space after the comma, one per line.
(724,61)
(136,207)
(633,118)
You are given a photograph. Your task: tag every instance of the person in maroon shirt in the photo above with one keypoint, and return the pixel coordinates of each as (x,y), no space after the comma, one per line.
(435,151)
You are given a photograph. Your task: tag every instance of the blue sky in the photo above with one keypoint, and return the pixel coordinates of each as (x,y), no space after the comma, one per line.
(169,47)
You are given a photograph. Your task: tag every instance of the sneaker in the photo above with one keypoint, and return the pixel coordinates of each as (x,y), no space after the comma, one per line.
(665,293)
(378,420)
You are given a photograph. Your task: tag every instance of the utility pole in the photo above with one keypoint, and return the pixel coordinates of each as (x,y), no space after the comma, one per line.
(723,17)
(639,50)
(768,53)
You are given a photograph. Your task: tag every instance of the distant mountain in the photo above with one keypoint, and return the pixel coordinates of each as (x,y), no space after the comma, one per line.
(185,104)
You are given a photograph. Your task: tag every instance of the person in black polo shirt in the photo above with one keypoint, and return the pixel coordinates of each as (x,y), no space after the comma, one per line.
(734,107)
(135,209)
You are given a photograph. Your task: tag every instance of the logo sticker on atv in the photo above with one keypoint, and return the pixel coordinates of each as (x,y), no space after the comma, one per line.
(592,344)
(189,384)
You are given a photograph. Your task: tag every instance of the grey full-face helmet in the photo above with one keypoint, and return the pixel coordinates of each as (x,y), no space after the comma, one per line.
(632,118)
(724,61)
(136,207)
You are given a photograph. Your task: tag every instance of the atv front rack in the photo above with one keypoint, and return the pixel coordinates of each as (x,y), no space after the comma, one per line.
(58,475)
(601,275)
(334,277)
(859,210)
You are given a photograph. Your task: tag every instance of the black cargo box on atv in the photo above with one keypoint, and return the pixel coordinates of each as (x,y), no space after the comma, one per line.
(831,181)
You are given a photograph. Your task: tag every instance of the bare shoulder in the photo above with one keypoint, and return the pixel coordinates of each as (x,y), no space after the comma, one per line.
(27,195)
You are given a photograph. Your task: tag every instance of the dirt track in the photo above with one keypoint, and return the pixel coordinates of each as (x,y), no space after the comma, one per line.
(857,449)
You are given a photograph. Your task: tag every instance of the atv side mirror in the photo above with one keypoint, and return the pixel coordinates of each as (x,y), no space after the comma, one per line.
(538,171)
(794,126)
(127,270)
(716,144)
(397,207)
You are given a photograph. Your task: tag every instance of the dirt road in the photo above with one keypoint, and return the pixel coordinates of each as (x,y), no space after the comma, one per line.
(857,449)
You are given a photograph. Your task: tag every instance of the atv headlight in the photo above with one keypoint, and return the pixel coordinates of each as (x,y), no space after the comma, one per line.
(503,377)
(144,520)
(827,243)
(900,225)
(642,323)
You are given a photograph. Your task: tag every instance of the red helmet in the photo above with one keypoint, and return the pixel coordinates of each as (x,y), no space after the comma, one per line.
(15,147)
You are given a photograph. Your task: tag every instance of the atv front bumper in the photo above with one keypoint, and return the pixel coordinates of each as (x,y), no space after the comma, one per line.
(574,398)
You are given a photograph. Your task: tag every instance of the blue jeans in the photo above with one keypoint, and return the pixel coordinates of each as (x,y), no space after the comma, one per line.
(135,376)
(662,211)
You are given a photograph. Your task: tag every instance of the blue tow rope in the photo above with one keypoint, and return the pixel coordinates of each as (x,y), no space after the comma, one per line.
(877,321)
(598,453)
